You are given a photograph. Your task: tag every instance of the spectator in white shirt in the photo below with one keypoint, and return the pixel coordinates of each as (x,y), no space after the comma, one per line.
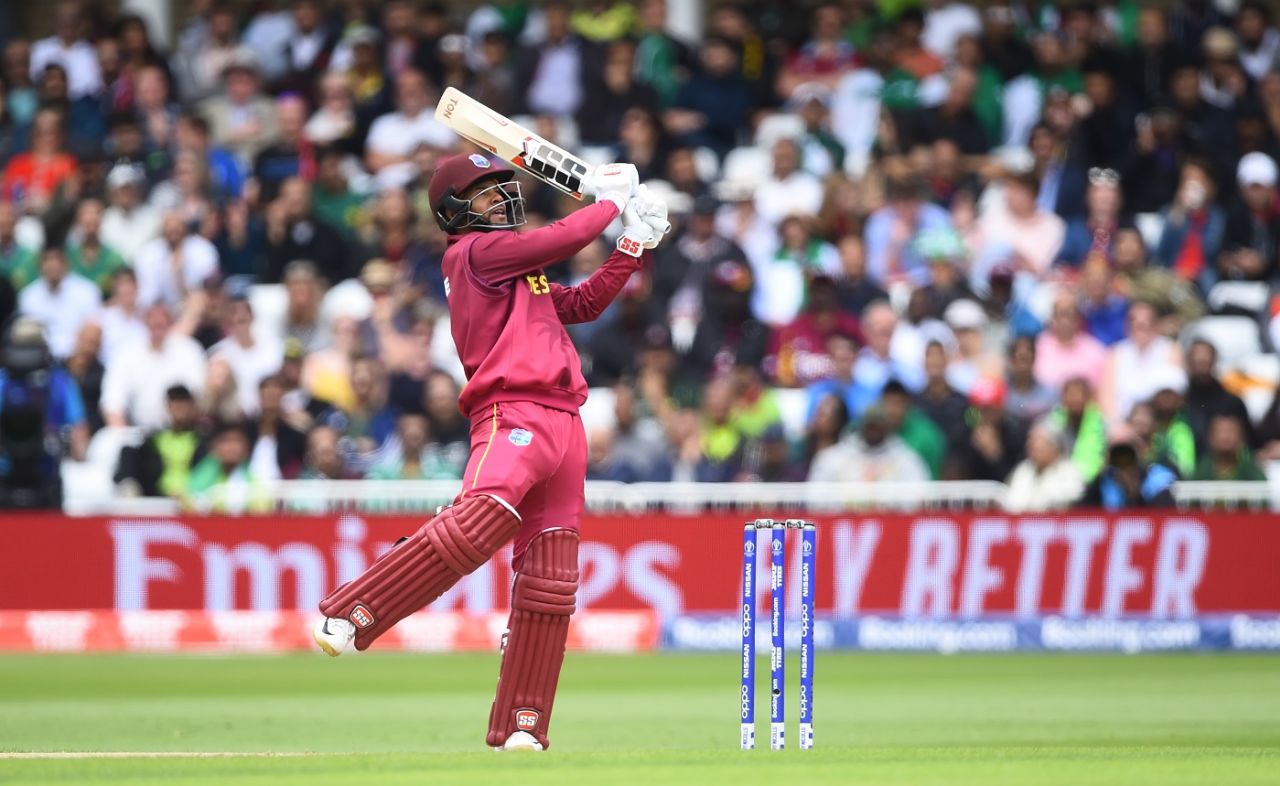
(60,300)
(133,389)
(1046,479)
(128,223)
(70,50)
(177,262)
(394,136)
(121,318)
(251,361)
(789,189)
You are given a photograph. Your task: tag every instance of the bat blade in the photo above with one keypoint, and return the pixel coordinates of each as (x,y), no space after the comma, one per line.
(512,142)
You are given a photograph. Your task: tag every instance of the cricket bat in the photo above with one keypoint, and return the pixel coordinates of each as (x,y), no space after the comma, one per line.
(527,151)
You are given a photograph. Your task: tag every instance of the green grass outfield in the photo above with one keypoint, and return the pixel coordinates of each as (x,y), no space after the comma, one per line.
(655,719)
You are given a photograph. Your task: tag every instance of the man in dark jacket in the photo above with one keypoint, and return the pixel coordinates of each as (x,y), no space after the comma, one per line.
(1206,396)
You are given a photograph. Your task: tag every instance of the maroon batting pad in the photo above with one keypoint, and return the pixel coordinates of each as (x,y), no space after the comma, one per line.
(418,570)
(541,602)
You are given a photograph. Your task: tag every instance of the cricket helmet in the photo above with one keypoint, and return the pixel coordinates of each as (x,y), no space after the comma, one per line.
(455,175)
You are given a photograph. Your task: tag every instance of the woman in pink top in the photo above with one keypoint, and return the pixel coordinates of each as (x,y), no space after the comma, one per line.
(1065,350)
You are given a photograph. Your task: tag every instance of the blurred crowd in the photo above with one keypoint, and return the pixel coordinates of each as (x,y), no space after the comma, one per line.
(913,241)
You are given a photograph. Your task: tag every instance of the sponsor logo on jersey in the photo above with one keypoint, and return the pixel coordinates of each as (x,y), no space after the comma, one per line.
(527,720)
(520,437)
(480,161)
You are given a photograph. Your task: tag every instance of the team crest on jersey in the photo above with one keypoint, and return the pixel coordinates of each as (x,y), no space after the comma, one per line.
(520,437)
(480,161)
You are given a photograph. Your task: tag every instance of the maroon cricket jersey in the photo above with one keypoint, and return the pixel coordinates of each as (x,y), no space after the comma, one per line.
(508,320)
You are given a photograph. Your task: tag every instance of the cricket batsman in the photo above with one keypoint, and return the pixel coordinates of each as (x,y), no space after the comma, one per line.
(525,475)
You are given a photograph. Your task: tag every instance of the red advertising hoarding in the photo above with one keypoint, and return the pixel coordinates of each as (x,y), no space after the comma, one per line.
(941,565)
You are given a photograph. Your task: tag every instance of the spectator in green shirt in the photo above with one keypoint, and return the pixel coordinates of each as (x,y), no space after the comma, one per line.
(1173,442)
(86,254)
(1085,427)
(914,427)
(1228,457)
(18,263)
(227,462)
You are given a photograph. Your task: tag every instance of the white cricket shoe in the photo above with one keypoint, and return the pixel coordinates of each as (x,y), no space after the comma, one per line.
(520,741)
(333,635)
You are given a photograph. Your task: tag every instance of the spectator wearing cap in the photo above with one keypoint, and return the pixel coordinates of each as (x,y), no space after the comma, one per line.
(1223,81)
(87,254)
(394,136)
(821,151)
(1065,350)
(1083,425)
(1227,456)
(1194,224)
(59,300)
(128,222)
(160,466)
(1126,481)
(133,390)
(68,48)
(947,256)
(241,118)
(891,231)
(870,455)
(713,104)
(1172,442)
(995,441)
(1046,479)
(1025,396)
(294,232)
(174,264)
(1251,239)
(798,352)
(914,427)
(1023,233)
(1135,361)
(251,359)
(975,359)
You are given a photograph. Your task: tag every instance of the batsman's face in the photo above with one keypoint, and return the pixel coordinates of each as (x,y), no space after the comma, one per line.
(489,200)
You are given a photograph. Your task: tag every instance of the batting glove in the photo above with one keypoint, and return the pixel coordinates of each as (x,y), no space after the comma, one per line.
(636,235)
(652,210)
(614,182)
